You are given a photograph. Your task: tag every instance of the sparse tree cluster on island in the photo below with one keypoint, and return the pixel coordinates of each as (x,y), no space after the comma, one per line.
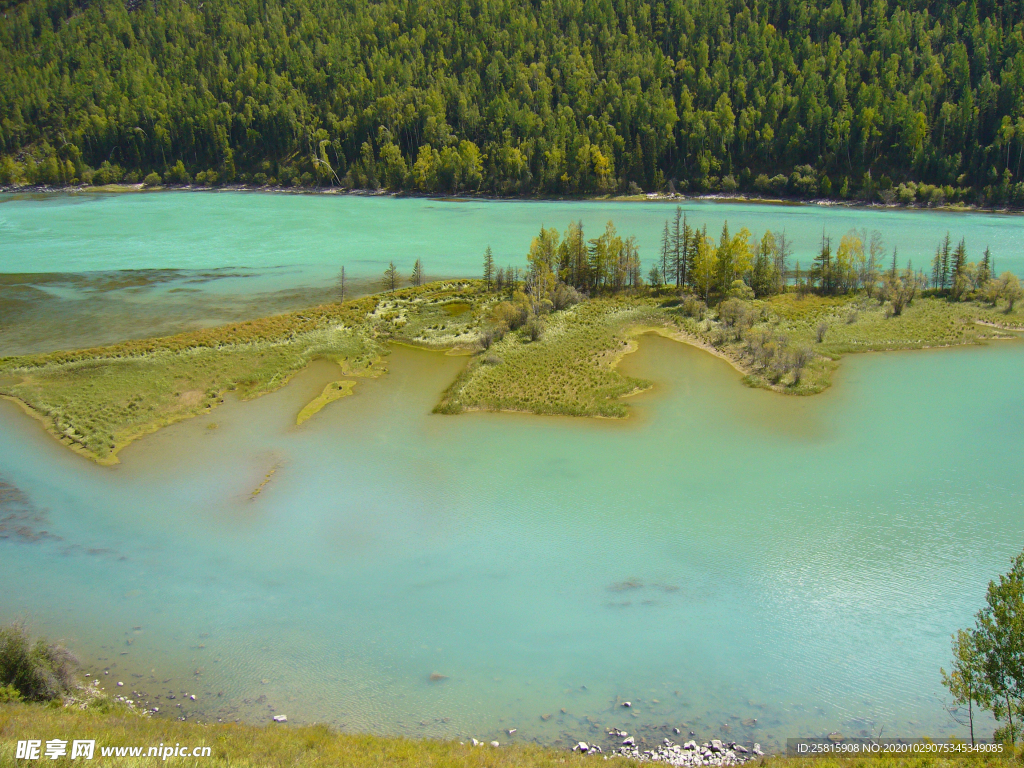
(716,282)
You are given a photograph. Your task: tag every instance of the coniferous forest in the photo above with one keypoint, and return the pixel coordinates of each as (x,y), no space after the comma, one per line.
(915,101)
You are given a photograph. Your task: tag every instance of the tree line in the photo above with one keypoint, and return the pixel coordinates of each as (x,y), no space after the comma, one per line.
(737,265)
(868,99)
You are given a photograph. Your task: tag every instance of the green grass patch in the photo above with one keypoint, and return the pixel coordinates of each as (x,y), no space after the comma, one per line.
(333,391)
(569,370)
(286,746)
(98,400)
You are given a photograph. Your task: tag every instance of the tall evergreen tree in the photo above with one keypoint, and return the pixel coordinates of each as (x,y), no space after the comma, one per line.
(488,267)
(944,274)
(666,258)
(679,242)
(390,280)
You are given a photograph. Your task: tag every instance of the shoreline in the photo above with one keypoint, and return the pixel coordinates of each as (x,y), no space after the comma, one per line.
(739,198)
(351,334)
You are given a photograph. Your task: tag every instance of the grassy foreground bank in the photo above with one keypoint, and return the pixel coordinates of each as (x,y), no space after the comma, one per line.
(555,361)
(245,746)
(284,745)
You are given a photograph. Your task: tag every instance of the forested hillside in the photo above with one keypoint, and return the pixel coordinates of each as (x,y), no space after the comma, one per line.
(912,100)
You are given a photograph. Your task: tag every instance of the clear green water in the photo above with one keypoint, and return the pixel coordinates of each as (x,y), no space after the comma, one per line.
(231,255)
(726,553)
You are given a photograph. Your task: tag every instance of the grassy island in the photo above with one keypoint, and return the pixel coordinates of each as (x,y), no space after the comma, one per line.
(558,361)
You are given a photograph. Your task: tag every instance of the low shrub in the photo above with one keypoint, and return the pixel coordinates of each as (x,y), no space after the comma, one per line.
(39,671)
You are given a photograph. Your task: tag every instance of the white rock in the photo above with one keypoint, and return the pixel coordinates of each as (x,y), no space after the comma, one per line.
(627,704)
(495,744)
(629,741)
(193,697)
(119,684)
(511,731)
(280,718)
(582,747)
(474,742)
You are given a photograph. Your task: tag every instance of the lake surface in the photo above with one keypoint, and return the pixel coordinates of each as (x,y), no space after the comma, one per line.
(725,556)
(213,257)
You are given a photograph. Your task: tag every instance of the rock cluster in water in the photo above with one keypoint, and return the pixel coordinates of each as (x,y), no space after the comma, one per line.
(714,752)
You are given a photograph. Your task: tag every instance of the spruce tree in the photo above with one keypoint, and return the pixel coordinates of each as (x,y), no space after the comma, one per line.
(945,263)
(665,253)
(390,279)
(488,267)
(679,244)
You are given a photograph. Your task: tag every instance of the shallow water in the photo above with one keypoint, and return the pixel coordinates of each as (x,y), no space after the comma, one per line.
(214,257)
(725,554)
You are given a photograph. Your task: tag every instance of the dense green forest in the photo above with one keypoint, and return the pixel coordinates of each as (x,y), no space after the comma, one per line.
(912,101)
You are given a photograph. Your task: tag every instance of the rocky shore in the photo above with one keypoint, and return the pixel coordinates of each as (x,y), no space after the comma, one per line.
(714,752)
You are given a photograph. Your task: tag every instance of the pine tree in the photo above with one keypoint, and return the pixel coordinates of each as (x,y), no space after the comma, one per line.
(685,253)
(488,267)
(417,273)
(783,250)
(665,253)
(959,261)
(679,243)
(390,280)
(957,278)
(341,283)
(822,269)
(944,275)
(985,268)
(937,267)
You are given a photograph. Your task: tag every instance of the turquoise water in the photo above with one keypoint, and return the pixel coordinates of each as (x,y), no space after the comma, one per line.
(308,237)
(724,555)
(96,268)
